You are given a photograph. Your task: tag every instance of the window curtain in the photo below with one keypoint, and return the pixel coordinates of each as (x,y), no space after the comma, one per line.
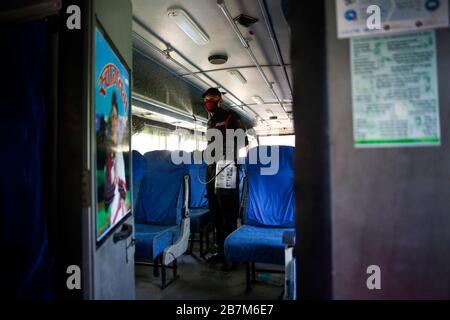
(24,243)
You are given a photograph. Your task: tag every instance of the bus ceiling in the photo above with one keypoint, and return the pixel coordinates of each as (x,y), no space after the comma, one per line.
(240,47)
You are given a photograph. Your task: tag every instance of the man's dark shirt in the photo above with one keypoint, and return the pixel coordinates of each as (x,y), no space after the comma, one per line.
(223,120)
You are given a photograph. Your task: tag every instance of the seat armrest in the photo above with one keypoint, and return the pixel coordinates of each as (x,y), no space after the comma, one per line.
(180,246)
(186,197)
(289,242)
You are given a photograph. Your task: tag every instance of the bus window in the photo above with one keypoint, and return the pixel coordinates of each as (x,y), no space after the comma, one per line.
(288,140)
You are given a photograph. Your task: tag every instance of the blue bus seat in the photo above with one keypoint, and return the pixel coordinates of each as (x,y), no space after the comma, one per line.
(200,217)
(268,211)
(151,240)
(160,211)
(256,244)
(138,161)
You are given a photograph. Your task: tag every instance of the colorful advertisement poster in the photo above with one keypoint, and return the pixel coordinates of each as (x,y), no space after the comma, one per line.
(112,126)
(395,90)
(395,16)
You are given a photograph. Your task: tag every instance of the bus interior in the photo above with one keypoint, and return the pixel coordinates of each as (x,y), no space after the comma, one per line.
(106,137)
(244,53)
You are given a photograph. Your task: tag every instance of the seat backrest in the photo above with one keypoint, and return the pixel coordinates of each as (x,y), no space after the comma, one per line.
(197,179)
(138,174)
(162,190)
(270,198)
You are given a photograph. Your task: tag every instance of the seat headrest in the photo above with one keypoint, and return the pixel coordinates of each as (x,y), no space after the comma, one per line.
(138,166)
(259,156)
(161,190)
(270,196)
(197,174)
(161,161)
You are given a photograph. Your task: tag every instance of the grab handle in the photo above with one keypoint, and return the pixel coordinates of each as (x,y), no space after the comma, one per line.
(124,233)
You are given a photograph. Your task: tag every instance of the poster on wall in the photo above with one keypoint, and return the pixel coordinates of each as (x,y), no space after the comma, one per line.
(395,16)
(395,90)
(112,127)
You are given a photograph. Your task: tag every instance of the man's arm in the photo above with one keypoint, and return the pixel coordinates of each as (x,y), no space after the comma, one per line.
(240,125)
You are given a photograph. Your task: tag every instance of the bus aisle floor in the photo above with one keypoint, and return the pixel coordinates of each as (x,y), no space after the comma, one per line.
(201,281)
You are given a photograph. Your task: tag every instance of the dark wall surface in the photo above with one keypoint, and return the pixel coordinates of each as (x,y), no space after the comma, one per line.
(24,130)
(390,206)
(308,56)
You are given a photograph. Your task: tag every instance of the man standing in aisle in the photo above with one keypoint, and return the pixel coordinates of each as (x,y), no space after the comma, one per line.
(222,175)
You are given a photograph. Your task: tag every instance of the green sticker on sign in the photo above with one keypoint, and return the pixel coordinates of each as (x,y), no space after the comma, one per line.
(395,90)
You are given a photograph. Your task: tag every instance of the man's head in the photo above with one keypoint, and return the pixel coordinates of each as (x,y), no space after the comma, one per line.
(212,99)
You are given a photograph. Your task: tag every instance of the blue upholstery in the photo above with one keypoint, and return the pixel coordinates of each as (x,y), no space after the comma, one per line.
(199,218)
(269,211)
(198,201)
(161,190)
(159,205)
(152,239)
(271,197)
(138,173)
(197,195)
(256,244)
(197,212)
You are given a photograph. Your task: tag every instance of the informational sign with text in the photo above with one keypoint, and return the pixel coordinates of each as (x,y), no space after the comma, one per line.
(395,90)
(353,18)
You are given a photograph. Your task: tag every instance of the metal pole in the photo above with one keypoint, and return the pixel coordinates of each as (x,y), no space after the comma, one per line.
(222,6)
(265,13)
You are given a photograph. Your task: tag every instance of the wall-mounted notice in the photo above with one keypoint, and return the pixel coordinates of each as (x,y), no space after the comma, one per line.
(395,90)
(395,15)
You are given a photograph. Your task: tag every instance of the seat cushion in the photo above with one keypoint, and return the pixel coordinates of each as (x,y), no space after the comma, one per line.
(256,244)
(199,218)
(197,212)
(151,240)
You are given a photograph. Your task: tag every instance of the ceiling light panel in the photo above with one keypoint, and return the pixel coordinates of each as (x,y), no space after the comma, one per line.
(185,23)
(236,75)
(258,100)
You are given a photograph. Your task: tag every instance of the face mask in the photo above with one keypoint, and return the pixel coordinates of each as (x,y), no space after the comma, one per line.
(211,106)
